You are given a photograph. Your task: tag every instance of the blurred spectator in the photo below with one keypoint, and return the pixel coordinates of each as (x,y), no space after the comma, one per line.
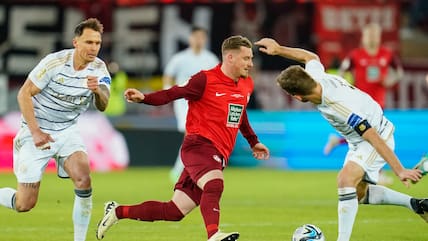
(117,104)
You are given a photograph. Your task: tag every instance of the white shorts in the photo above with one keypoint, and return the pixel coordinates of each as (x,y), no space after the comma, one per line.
(366,156)
(180,110)
(29,163)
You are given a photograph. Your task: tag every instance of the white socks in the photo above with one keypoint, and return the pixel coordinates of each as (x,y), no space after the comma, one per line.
(82,213)
(7,197)
(347,210)
(377,194)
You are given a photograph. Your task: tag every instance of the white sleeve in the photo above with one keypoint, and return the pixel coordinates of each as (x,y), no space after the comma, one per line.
(315,69)
(40,75)
(103,76)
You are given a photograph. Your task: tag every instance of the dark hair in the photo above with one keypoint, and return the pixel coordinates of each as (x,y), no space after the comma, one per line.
(198,28)
(296,81)
(235,43)
(91,23)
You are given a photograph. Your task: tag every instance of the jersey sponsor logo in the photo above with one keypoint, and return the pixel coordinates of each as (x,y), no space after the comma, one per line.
(219,94)
(106,80)
(234,115)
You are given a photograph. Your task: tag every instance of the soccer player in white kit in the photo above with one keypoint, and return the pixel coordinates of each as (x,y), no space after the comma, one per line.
(356,116)
(178,71)
(57,91)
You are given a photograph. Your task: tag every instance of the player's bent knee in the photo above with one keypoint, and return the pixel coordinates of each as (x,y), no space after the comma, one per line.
(214,186)
(82,182)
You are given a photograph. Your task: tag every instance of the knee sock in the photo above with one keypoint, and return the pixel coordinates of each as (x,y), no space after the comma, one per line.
(377,194)
(210,205)
(347,211)
(150,211)
(82,213)
(7,197)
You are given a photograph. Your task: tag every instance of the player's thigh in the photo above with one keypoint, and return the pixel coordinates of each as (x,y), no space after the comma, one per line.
(29,162)
(200,156)
(365,156)
(350,175)
(73,159)
(183,202)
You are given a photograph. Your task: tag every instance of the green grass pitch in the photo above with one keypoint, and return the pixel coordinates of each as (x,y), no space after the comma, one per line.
(262,204)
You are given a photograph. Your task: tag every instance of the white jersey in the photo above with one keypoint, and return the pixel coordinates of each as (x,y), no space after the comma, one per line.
(64,93)
(186,63)
(344,106)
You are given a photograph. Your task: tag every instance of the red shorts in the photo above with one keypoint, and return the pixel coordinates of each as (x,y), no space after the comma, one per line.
(199,156)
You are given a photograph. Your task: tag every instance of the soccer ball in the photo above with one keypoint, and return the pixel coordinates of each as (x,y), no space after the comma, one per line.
(308,232)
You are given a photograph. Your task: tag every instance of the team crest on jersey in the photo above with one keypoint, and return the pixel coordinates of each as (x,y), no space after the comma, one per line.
(234,115)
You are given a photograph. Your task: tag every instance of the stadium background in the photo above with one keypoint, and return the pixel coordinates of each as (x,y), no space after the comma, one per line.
(141,36)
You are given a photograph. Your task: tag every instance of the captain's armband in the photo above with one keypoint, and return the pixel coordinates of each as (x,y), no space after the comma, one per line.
(362,127)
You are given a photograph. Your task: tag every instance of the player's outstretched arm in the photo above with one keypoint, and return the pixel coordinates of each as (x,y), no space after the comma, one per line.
(389,156)
(271,47)
(133,95)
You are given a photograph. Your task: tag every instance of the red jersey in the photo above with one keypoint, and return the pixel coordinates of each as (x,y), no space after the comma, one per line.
(217,107)
(370,71)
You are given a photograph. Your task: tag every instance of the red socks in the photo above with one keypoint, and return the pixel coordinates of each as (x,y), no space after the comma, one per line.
(210,205)
(168,211)
(150,211)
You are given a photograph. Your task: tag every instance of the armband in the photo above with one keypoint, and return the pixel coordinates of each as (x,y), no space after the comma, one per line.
(362,127)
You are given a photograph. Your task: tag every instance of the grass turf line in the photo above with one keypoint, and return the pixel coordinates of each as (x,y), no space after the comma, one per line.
(261,204)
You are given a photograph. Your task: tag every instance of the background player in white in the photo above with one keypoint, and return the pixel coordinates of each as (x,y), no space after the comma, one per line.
(56,92)
(360,120)
(179,69)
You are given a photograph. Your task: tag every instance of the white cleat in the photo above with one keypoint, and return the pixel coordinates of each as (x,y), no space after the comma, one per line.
(219,236)
(422,165)
(108,220)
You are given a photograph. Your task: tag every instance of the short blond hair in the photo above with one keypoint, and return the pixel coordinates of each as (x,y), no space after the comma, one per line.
(235,43)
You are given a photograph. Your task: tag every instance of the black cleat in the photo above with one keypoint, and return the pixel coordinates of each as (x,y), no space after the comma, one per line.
(420,206)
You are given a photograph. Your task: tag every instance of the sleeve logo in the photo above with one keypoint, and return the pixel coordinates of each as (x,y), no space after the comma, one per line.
(106,80)
(234,115)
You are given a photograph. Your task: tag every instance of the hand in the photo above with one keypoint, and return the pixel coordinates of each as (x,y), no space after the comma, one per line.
(260,151)
(41,140)
(268,46)
(133,95)
(92,83)
(413,175)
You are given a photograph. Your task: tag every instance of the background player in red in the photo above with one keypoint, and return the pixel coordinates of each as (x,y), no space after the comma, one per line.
(217,101)
(375,69)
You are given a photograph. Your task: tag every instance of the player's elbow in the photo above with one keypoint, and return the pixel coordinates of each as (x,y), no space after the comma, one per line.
(311,56)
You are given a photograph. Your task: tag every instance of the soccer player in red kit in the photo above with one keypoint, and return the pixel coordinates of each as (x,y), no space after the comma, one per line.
(370,65)
(217,101)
